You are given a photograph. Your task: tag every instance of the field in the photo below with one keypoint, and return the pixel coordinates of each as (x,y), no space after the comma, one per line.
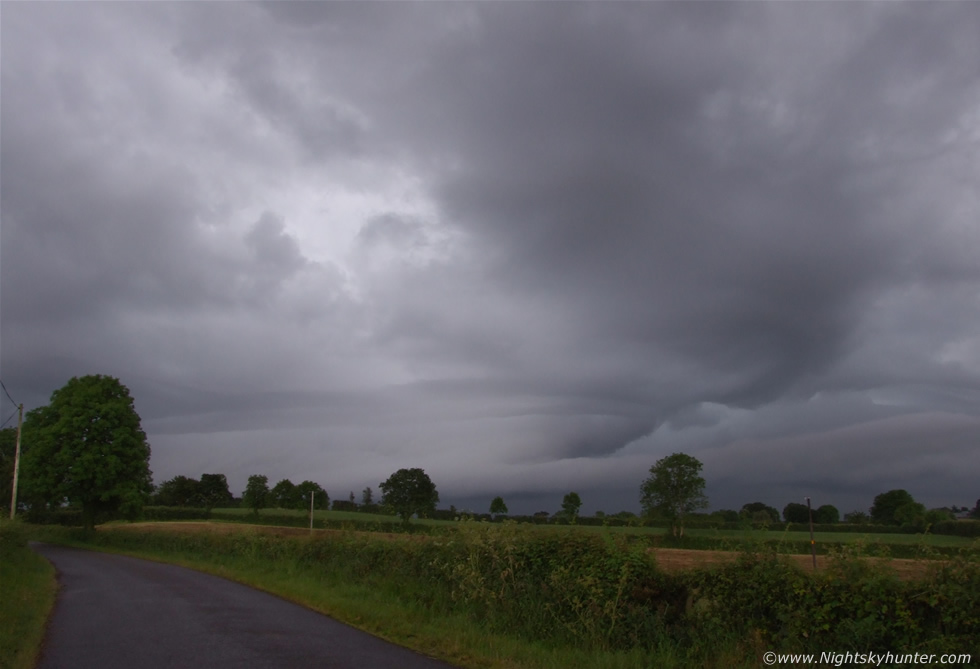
(484,594)
(668,559)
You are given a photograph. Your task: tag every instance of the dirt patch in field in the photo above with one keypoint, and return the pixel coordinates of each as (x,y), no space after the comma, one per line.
(676,559)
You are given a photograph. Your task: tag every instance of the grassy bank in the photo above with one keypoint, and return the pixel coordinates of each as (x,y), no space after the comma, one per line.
(510,596)
(28,586)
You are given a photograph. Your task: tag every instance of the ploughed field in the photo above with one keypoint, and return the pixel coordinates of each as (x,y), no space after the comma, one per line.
(668,559)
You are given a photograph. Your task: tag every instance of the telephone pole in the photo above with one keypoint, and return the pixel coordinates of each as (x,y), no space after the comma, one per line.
(13,493)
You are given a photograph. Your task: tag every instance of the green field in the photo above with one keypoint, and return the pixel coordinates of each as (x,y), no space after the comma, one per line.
(888,544)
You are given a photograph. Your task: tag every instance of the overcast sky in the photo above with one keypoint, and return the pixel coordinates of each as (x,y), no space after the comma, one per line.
(528,247)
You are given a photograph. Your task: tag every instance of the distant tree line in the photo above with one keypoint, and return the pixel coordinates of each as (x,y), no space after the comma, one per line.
(86,450)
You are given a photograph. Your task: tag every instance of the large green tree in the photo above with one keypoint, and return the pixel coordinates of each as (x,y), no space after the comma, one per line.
(87,448)
(408,492)
(214,491)
(321,500)
(256,495)
(285,495)
(895,507)
(674,489)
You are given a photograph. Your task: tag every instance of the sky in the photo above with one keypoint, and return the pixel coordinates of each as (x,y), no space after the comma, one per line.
(528,247)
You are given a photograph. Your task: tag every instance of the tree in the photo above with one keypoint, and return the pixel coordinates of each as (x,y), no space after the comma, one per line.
(884,510)
(976,511)
(87,447)
(759,513)
(367,496)
(570,505)
(408,492)
(179,491)
(284,495)
(856,518)
(826,515)
(497,505)
(321,500)
(256,495)
(794,512)
(214,491)
(674,489)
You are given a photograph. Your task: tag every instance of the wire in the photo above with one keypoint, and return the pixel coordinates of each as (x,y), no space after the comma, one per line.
(2,425)
(8,393)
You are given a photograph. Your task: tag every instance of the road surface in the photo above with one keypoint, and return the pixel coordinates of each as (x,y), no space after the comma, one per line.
(119,612)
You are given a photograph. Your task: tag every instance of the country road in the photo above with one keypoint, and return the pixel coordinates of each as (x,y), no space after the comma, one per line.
(121,612)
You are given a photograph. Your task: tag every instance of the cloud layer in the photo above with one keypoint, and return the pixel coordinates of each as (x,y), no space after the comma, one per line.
(528,247)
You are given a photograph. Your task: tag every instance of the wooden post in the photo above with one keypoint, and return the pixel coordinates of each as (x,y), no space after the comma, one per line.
(13,493)
(813,544)
(312,493)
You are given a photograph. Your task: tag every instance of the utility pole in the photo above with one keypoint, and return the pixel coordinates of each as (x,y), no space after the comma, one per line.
(813,544)
(13,493)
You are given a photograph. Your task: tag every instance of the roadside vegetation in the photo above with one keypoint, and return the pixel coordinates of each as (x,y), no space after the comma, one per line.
(28,586)
(509,595)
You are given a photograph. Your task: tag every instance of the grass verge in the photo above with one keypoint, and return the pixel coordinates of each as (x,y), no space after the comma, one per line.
(28,586)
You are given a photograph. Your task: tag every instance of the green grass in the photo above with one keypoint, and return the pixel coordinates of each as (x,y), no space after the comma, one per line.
(28,586)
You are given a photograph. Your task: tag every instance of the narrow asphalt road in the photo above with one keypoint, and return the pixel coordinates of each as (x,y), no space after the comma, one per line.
(120,612)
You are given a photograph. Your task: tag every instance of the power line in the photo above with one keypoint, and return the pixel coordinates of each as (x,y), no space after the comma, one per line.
(8,393)
(4,424)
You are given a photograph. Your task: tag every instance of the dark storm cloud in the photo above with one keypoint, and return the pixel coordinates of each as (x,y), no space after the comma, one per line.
(526,245)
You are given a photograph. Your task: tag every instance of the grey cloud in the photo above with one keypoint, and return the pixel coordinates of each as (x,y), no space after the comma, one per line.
(729,229)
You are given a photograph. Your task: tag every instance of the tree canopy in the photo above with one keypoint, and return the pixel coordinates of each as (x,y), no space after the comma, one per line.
(895,507)
(794,512)
(408,492)
(179,491)
(674,488)
(570,506)
(321,500)
(256,495)
(87,447)
(214,491)
(497,505)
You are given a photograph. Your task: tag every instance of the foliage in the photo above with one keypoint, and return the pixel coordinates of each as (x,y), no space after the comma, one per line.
(343,505)
(367,496)
(887,508)
(570,505)
(285,496)
(257,494)
(29,586)
(574,589)
(827,514)
(408,492)
(179,491)
(87,447)
(321,500)
(214,491)
(759,514)
(674,488)
(497,505)
(794,512)
(857,518)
